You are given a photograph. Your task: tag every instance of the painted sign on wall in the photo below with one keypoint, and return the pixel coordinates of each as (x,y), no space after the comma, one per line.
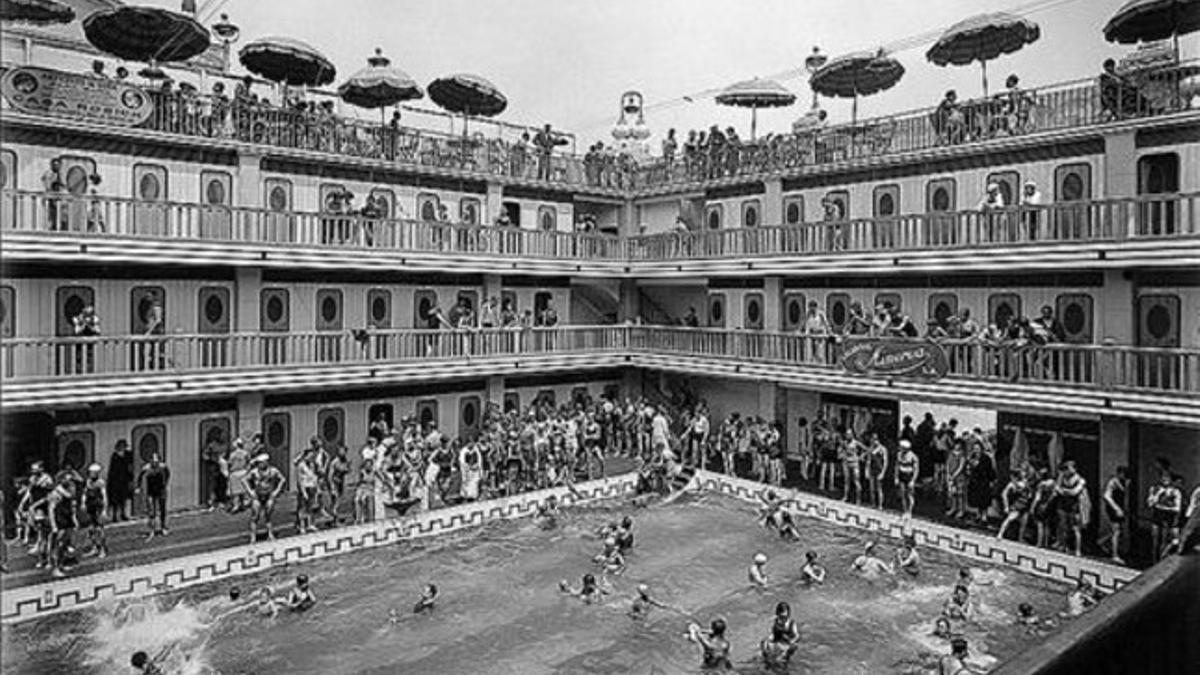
(41,91)
(913,359)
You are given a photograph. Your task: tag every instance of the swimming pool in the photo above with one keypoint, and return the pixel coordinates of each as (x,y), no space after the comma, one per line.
(500,611)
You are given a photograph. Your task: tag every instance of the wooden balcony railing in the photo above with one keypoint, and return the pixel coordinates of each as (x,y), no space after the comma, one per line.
(1112,220)
(1175,371)
(1082,221)
(101,216)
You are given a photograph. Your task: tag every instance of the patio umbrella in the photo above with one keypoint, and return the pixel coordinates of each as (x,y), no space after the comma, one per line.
(146,34)
(38,12)
(982,38)
(379,85)
(1146,20)
(857,74)
(470,95)
(288,61)
(755,94)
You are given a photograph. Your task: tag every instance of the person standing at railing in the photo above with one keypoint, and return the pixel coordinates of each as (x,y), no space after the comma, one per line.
(1032,204)
(990,208)
(817,332)
(1016,108)
(669,146)
(86,324)
(54,185)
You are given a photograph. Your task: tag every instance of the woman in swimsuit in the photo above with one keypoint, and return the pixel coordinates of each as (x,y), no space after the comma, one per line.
(714,645)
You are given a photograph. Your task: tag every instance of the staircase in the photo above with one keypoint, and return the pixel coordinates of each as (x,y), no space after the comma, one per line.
(652,313)
(597,304)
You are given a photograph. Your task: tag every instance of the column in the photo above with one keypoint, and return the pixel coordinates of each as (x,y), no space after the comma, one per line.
(772,304)
(493,285)
(627,221)
(1120,165)
(772,208)
(495,202)
(1115,318)
(768,397)
(249,191)
(495,390)
(248,286)
(630,302)
(249,415)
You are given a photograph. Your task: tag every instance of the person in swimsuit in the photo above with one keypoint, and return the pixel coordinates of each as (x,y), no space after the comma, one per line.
(778,648)
(266,606)
(428,597)
(141,662)
(1082,598)
(60,505)
(301,597)
(93,508)
(958,605)
(907,469)
(774,516)
(642,602)
(942,628)
(869,565)
(1166,503)
(264,483)
(155,477)
(589,591)
(907,558)
(955,663)
(757,572)
(1068,491)
(877,466)
(1016,498)
(714,646)
(1116,495)
(812,572)
(624,535)
(1043,507)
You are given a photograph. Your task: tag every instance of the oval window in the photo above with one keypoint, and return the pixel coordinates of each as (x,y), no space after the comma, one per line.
(1004,314)
(215,192)
(278,199)
(428,211)
(383,206)
(275,434)
(72,307)
(942,312)
(1158,322)
(795,312)
(941,199)
(714,220)
(379,308)
(750,219)
(77,181)
(330,428)
(74,454)
(274,309)
(887,205)
(423,307)
(426,416)
(1072,187)
(149,188)
(470,213)
(838,315)
(214,309)
(793,213)
(547,223)
(753,311)
(469,414)
(329,309)
(1074,318)
(148,446)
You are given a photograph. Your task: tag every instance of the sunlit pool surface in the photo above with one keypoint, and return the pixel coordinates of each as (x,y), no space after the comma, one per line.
(500,611)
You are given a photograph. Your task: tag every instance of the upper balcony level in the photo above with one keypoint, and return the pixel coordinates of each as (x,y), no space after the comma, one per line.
(1152,230)
(1138,382)
(1056,110)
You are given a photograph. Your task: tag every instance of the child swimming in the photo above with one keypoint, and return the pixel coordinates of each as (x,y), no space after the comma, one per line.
(812,572)
(428,596)
(757,572)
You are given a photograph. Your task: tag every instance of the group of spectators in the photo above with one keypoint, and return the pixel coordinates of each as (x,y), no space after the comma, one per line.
(405,468)
(1007,113)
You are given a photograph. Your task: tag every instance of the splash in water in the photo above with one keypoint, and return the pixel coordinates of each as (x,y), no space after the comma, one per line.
(173,637)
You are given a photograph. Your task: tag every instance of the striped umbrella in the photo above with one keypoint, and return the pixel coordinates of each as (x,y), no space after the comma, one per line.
(470,95)
(37,12)
(379,85)
(857,74)
(1147,20)
(755,94)
(982,38)
(287,60)
(146,34)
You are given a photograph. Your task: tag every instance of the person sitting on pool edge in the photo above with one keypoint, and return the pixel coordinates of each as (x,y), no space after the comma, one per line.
(428,596)
(869,565)
(812,572)
(714,645)
(589,591)
(757,572)
(301,598)
(907,558)
(777,649)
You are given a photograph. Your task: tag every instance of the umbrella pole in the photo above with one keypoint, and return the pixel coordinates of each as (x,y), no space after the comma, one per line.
(753,122)
(983,65)
(854,110)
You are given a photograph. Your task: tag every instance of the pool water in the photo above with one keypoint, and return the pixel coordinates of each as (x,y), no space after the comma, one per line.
(499,610)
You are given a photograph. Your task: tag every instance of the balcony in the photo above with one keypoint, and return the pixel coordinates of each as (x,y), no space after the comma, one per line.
(1156,384)
(1152,230)
(1056,108)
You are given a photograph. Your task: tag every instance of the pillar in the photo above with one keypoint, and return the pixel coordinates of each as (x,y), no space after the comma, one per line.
(495,390)
(768,399)
(493,284)
(246,301)
(773,304)
(630,302)
(1114,309)
(249,190)
(627,221)
(249,414)
(494,204)
(1120,165)
(772,208)
(631,383)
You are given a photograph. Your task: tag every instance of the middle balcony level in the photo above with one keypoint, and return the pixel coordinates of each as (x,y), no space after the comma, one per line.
(1132,382)
(1147,231)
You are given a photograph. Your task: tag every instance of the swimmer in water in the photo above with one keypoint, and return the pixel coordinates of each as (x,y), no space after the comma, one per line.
(301,597)
(955,663)
(958,605)
(941,628)
(549,512)
(590,592)
(812,572)
(624,535)
(907,558)
(774,516)
(757,572)
(777,649)
(1080,600)
(714,645)
(642,602)
(266,606)
(868,564)
(1027,616)
(141,662)
(428,596)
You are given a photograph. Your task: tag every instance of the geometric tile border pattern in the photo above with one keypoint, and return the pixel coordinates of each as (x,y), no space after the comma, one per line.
(984,548)
(23,604)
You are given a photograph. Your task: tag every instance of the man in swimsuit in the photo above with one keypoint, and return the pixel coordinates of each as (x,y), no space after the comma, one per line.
(1016,498)
(301,597)
(642,602)
(624,535)
(1068,491)
(1116,495)
(812,572)
(869,565)
(428,597)
(908,467)
(155,477)
(264,483)
(877,466)
(60,504)
(93,507)
(1166,503)
(714,645)
(757,572)
(956,662)
(589,591)
(777,649)
(958,605)
(907,558)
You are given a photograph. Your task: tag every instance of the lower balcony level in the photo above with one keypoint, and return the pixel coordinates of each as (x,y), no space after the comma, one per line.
(1150,384)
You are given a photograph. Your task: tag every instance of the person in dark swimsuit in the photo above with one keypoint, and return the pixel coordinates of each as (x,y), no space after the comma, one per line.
(907,469)
(1116,504)
(61,505)
(155,477)
(777,649)
(1016,498)
(428,597)
(93,507)
(301,597)
(714,646)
